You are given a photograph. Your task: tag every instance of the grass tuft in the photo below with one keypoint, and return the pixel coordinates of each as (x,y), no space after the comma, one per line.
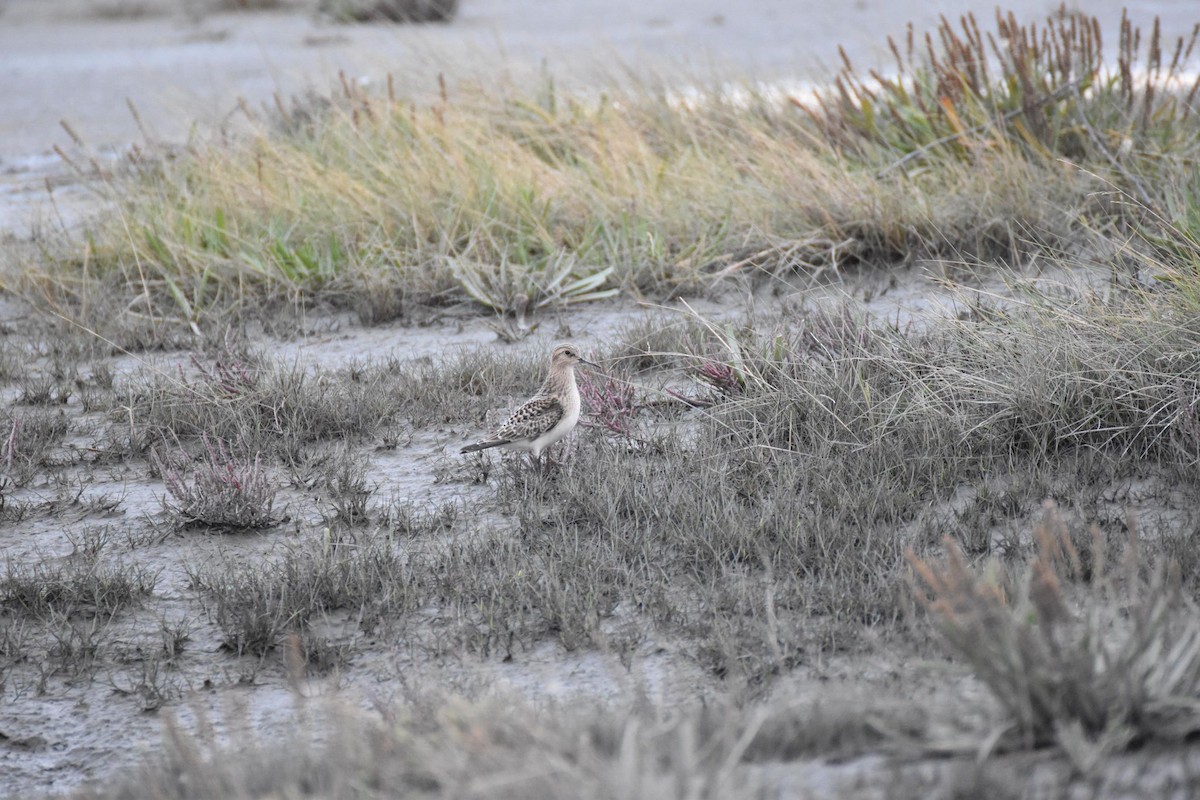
(1114,664)
(258,607)
(78,586)
(226,490)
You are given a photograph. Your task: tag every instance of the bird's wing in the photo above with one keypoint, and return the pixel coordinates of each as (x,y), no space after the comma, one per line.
(532,419)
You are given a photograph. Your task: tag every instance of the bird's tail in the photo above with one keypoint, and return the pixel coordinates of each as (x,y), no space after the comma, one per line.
(471,448)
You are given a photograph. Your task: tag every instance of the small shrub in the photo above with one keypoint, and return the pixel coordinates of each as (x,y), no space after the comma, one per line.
(224,491)
(1121,665)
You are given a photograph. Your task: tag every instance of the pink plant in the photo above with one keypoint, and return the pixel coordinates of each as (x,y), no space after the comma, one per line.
(610,404)
(720,376)
(224,490)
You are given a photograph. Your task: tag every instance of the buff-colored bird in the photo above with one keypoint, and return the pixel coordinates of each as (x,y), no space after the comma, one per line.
(547,416)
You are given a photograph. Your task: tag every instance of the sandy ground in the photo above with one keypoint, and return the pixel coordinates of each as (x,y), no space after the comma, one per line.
(184,68)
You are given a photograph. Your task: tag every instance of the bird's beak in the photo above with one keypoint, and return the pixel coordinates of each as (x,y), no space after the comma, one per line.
(589,363)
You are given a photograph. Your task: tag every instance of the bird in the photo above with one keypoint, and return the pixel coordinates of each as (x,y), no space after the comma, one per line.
(547,416)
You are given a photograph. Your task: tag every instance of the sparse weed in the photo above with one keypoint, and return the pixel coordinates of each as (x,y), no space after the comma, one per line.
(346,491)
(405,519)
(175,636)
(44,390)
(14,358)
(77,642)
(150,683)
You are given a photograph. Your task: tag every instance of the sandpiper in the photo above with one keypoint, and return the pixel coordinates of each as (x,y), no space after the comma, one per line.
(547,416)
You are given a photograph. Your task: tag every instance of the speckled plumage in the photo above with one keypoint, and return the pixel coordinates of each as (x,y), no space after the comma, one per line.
(547,416)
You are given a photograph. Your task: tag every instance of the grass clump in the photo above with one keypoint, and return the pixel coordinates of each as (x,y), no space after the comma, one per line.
(1044,86)
(1114,664)
(390,10)
(80,585)
(30,439)
(279,409)
(821,448)
(451,746)
(258,607)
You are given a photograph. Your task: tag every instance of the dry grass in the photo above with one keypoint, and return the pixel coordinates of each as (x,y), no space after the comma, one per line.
(517,198)
(452,746)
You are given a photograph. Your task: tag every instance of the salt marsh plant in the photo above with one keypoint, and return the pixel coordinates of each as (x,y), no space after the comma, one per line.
(1091,662)
(1045,87)
(226,489)
(611,403)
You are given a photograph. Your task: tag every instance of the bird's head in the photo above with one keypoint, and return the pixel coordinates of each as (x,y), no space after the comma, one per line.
(567,355)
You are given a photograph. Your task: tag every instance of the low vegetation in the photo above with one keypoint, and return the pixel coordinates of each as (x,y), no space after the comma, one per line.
(773,492)
(1110,669)
(226,490)
(512,199)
